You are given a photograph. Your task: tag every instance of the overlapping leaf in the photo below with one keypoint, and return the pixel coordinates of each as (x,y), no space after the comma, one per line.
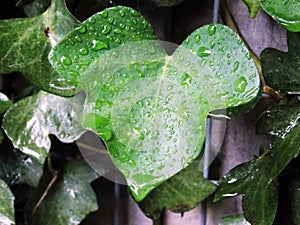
(5,103)
(149,107)
(26,47)
(234,220)
(6,205)
(253,7)
(285,76)
(69,199)
(285,12)
(180,193)
(29,122)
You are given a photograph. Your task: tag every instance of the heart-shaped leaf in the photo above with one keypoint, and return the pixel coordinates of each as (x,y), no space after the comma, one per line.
(238,219)
(285,76)
(6,205)
(27,46)
(29,122)
(149,107)
(285,12)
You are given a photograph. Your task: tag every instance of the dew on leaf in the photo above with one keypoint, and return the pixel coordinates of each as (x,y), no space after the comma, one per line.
(104,14)
(110,20)
(83,51)
(212,44)
(82,29)
(236,66)
(66,60)
(122,26)
(240,84)
(211,29)
(98,45)
(122,13)
(77,38)
(106,29)
(203,51)
(197,38)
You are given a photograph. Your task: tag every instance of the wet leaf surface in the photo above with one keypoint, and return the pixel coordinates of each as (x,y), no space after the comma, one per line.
(6,205)
(30,121)
(27,47)
(285,76)
(234,220)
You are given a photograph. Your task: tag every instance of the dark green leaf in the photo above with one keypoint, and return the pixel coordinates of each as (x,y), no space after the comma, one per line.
(141,101)
(36,7)
(238,219)
(69,199)
(29,122)
(25,47)
(5,103)
(166,3)
(285,12)
(180,193)
(253,7)
(279,120)
(294,195)
(6,205)
(285,75)
(256,180)
(16,167)
(103,31)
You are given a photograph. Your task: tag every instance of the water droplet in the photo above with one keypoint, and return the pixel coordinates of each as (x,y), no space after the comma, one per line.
(240,84)
(104,14)
(228,55)
(212,44)
(82,29)
(236,66)
(78,38)
(228,62)
(197,38)
(122,13)
(110,20)
(211,63)
(106,29)
(211,29)
(145,24)
(186,79)
(121,25)
(83,51)
(203,51)
(280,59)
(92,20)
(66,60)
(98,45)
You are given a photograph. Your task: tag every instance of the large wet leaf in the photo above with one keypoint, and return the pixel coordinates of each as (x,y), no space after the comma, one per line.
(30,121)
(238,219)
(150,108)
(5,103)
(279,120)
(69,199)
(285,12)
(25,47)
(6,205)
(180,193)
(285,76)
(253,7)
(256,180)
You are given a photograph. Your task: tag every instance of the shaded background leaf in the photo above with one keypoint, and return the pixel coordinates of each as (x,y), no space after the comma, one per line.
(6,205)
(238,219)
(5,103)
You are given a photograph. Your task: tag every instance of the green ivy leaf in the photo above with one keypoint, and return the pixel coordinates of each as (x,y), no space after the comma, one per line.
(279,120)
(285,76)
(253,7)
(69,199)
(285,12)
(180,193)
(238,219)
(256,180)
(5,103)
(29,122)
(25,46)
(6,205)
(149,107)
(16,167)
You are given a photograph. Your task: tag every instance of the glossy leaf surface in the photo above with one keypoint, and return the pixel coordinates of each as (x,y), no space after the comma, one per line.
(149,107)
(285,12)
(6,205)
(69,199)
(27,47)
(285,76)
(29,122)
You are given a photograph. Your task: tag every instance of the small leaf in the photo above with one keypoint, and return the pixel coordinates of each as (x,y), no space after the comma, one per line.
(25,47)
(285,12)
(253,7)
(6,205)
(238,219)
(29,122)
(180,193)
(279,120)
(69,199)
(5,103)
(285,76)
